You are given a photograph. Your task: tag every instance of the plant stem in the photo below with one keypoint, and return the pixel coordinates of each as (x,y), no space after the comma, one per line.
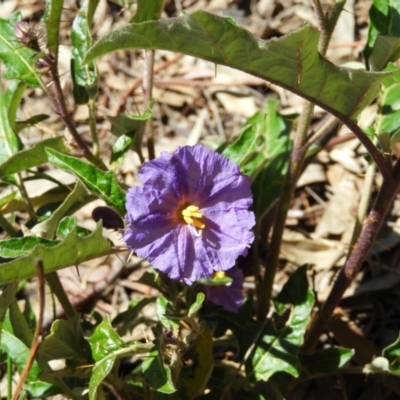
(6,225)
(61,109)
(56,287)
(93,129)
(147,100)
(354,262)
(297,157)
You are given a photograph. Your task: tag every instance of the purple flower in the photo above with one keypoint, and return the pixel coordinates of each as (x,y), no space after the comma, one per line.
(228,296)
(190,218)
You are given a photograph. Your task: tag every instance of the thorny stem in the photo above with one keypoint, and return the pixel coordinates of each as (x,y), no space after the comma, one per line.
(297,157)
(147,100)
(61,109)
(354,262)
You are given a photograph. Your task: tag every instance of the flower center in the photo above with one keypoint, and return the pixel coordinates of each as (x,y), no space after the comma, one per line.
(192,215)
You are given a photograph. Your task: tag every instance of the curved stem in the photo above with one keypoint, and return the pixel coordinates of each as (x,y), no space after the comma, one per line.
(354,262)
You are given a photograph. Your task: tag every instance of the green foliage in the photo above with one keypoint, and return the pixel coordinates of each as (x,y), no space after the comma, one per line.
(84,77)
(130,130)
(147,11)
(18,59)
(383,44)
(52,19)
(292,61)
(58,256)
(278,347)
(103,184)
(188,347)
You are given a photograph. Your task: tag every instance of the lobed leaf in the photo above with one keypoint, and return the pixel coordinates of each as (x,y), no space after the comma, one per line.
(16,247)
(73,250)
(103,184)
(292,61)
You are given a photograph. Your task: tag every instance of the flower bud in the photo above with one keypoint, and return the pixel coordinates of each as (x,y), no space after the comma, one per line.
(26,34)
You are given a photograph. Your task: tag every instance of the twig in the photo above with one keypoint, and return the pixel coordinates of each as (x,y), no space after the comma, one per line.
(36,338)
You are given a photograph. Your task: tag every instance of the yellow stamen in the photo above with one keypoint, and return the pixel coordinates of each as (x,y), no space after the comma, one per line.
(219,274)
(191,215)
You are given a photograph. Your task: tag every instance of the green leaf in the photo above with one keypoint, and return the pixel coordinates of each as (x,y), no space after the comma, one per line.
(130,318)
(156,374)
(66,341)
(268,182)
(71,251)
(203,367)
(73,201)
(264,136)
(52,18)
(20,125)
(389,105)
(9,141)
(19,353)
(384,20)
(277,349)
(99,372)
(16,247)
(292,61)
(326,361)
(148,10)
(166,315)
(7,296)
(103,184)
(392,354)
(386,49)
(195,307)
(18,59)
(68,225)
(105,340)
(130,130)
(26,159)
(81,40)
(244,327)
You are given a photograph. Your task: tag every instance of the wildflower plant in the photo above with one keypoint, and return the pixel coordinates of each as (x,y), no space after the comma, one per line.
(195,221)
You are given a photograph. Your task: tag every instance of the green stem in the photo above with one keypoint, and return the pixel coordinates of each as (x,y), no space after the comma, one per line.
(147,100)
(93,129)
(24,195)
(6,225)
(56,287)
